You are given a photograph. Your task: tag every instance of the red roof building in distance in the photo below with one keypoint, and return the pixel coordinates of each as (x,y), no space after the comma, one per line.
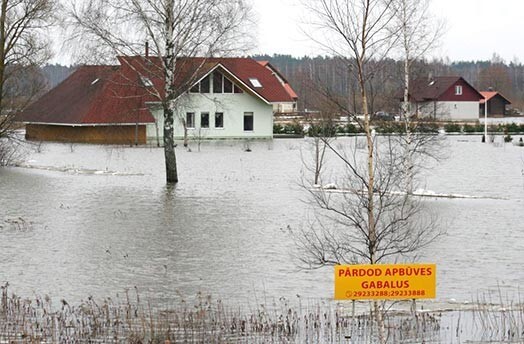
(444,98)
(228,97)
(496,104)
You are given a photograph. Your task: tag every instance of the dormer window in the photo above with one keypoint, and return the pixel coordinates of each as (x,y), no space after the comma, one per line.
(146,81)
(255,82)
(458,90)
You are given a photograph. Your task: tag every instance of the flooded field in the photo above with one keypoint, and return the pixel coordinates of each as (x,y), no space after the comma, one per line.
(85,220)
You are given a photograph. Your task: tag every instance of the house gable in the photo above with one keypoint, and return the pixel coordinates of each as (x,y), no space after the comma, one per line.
(442,88)
(237,82)
(468,94)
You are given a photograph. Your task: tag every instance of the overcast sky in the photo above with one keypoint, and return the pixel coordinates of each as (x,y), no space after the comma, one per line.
(475,29)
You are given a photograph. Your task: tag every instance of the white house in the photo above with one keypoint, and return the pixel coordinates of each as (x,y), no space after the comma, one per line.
(444,98)
(234,98)
(218,98)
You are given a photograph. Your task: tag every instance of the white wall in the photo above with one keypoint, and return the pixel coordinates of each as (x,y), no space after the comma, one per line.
(458,111)
(284,107)
(450,111)
(232,105)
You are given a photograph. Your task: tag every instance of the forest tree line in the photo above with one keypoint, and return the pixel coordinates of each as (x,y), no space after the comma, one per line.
(307,74)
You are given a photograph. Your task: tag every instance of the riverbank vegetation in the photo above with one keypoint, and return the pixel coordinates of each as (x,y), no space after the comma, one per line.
(131,320)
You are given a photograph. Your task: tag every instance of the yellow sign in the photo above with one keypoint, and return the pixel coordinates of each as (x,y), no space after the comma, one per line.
(385,281)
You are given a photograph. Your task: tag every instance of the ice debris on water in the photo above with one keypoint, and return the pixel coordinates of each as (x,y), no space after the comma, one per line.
(73,170)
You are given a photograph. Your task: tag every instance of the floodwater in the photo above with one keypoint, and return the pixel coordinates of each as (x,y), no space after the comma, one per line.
(88,220)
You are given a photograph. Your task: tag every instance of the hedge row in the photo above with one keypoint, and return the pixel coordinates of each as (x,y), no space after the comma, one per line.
(330,129)
(479,128)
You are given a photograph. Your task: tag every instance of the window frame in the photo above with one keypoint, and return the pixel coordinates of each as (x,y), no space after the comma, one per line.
(192,116)
(218,80)
(203,83)
(229,82)
(247,115)
(222,120)
(255,82)
(195,89)
(237,89)
(458,90)
(146,82)
(204,114)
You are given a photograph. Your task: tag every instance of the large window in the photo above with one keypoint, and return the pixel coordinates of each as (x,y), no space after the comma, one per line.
(204,120)
(228,86)
(202,87)
(248,121)
(195,88)
(221,84)
(190,120)
(219,120)
(217,82)
(237,89)
(205,85)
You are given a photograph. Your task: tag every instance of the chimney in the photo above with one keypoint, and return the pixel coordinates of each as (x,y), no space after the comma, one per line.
(147,49)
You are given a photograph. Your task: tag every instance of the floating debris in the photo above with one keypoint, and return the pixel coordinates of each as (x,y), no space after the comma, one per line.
(73,170)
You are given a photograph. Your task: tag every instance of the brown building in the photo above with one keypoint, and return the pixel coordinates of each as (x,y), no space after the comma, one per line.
(96,104)
(496,104)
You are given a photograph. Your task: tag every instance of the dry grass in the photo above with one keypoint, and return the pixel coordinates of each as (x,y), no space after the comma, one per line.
(130,320)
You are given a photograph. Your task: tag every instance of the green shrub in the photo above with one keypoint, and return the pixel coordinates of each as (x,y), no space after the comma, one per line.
(322,130)
(427,127)
(350,128)
(340,129)
(278,129)
(515,128)
(294,129)
(452,128)
(392,128)
(473,128)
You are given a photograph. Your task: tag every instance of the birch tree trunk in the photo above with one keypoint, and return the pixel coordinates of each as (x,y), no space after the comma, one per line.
(169,145)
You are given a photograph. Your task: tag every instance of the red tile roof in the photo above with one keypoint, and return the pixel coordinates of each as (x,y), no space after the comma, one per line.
(490,94)
(430,89)
(244,69)
(115,94)
(284,82)
(272,89)
(424,89)
(91,95)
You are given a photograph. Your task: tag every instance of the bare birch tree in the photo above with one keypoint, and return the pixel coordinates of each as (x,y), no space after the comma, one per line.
(368,221)
(23,48)
(417,33)
(177,30)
